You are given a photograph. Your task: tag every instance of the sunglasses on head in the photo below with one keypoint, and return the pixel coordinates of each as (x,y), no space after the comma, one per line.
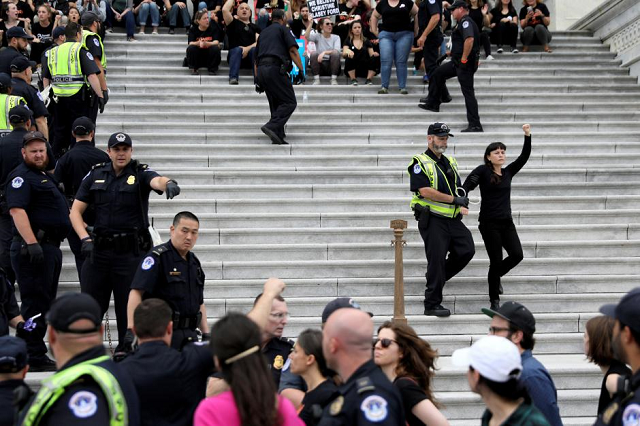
(385,343)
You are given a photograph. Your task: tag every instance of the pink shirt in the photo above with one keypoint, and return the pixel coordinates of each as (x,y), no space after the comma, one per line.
(221,410)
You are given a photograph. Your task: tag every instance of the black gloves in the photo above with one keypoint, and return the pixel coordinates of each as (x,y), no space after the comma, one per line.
(259,89)
(87,248)
(105,95)
(461,201)
(299,78)
(172,189)
(35,253)
(101,103)
(20,331)
(127,343)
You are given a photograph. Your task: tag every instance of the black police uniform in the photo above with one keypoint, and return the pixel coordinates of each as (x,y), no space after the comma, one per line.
(70,169)
(441,235)
(7,412)
(120,233)
(624,410)
(170,384)
(165,275)
(93,46)
(85,396)
(13,358)
(367,398)
(67,109)
(37,193)
(431,48)
(277,352)
(272,59)
(7,55)
(31,95)
(438,81)
(8,305)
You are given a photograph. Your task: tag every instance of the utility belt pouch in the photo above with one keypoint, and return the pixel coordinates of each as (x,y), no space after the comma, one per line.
(423,219)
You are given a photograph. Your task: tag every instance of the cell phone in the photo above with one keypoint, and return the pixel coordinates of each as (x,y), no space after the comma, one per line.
(530,9)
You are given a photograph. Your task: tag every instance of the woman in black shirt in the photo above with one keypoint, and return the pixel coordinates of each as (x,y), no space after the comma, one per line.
(534,20)
(204,44)
(409,362)
(42,31)
(479,12)
(359,54)
(496,223)
(504,25)
(307,361)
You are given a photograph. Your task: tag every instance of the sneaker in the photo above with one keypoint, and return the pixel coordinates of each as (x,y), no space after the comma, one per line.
(437,311)
(472,129)
(316,81)
(368,82)
(131,39)
(233,81)
(354,82)
(514,50)
(109,30)
(334,81)
(404,91)
(172,31)
(154,32)
(383,91)
(41,364)
(141,32)
(500,49)
(490,58)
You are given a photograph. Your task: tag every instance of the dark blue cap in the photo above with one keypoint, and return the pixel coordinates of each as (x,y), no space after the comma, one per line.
(626,311)
(439,129)
(19,114)
(13,354)
(18,32)
(71,307)
(57,32)
(5,81)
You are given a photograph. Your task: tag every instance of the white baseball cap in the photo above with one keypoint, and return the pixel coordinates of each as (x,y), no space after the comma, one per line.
(494,357)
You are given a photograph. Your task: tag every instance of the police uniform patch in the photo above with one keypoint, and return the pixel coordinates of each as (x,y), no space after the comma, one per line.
(610,412)
(96,42)
(278,362)
(465,24)
(131,180)
(417,169)
(17,182)
(432,1)
(374,408)
(90,56)
(148,262)
(83,404)
(120,137)
(631,415)
(336,406)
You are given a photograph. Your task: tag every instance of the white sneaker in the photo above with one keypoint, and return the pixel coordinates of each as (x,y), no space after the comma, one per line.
(140,32)
(316,81)
(490,58)
(334,81)
(515,51)
(500,50)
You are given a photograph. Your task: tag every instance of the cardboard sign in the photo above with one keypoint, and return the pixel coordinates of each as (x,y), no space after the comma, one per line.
(323,8)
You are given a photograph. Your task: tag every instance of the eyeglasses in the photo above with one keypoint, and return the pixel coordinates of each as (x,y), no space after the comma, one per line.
(329,23)
(279,315)
(496,330)
(385,343)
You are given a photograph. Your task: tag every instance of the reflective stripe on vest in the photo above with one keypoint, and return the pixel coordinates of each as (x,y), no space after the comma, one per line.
(431,169)
(54,387)
(87,33)
(64,65)
(6,103)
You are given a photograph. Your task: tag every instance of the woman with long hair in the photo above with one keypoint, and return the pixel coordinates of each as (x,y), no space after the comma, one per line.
(597,347)
(409,362)
(308,362)
(504,25)
(252,399)
(359,54)
(10,18)
(495,221)
(326,59)
(42,31)
(535,20)
(204,43)
(479,12)
(74,15)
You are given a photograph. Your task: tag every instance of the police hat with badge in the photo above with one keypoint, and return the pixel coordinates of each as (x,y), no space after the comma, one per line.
(20,114)
(439,129)
(458,3)
(20,64)
(13,354)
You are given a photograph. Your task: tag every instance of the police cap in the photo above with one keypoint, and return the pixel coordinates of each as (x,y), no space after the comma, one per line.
(89,18)
(439,129)
(82,126)
(119,139)
(459,3)
(19,114)
(57,32)
(5,81)
(32,137)
(71,307)
(339,303)
(626,311)
(18,32)
(20,63)
(13,354)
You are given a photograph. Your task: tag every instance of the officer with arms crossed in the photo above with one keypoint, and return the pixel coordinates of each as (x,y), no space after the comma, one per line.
(7,101)
(465,54)
(438,208)
(88,387)
(92,41)
(41,221)
(171,272)
(119,191)
(75,87)
(625,408)
(367,397)
(275,50)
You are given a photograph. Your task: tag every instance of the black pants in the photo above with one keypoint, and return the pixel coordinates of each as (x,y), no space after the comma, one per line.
(66,111)
(443,236)
(505,34)
(438,86)
(497,234)
(106,272)
(182,337)
(38,285)
(279,91)
(76,245)
(209,58)
(430,53)
(6,236)
(485,42)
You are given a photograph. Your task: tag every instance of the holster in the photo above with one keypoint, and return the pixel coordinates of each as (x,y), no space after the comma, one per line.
(190,322)
(422,215)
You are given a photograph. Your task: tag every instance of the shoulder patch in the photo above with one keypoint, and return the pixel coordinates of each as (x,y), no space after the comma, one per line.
(432,1)
(631,415)
(96,42)
(17,182)
(83,404)
(90,56)
(148,263)
(465,24)
(364,384)
(417,169)
(374,408)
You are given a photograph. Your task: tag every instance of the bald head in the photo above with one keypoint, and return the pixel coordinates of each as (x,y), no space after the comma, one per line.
(346,340)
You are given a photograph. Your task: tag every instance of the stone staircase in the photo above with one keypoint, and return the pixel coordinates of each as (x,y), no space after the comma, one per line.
(316,213)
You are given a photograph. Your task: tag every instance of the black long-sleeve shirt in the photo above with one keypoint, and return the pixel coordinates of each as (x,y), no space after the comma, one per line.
(496,198)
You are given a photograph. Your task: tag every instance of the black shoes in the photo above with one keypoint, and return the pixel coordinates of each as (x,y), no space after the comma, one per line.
(275,139)
(437,311)
(500,290)
(495,305)
(42,364)
(428,107)
(446,100)
(472,129)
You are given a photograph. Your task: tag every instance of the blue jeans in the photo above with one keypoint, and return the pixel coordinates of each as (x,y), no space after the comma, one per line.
(173,16)
(234,57)
(147,9)
(394,47)
(129,22)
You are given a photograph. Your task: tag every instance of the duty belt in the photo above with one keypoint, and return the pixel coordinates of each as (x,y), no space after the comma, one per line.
(42,238)
(186,321)
(269,60)
(122,242)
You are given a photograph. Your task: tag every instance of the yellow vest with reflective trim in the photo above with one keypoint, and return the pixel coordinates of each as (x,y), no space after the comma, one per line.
(6,103)
(66,72)
(439,182)
(87,33)
(54,387)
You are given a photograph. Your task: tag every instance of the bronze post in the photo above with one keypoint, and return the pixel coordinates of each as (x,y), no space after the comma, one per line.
(398,227)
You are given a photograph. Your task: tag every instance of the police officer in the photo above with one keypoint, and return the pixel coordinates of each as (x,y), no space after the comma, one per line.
(13,369)
(7,101)
(156,367)
(76,88)
(465,55)
(88,387)
(92,41)
(275,347)
(438,207)
(624,410)
(367,397)
(41,221)
(171,272)
(21,72)
(275,50)
(72,167)
(17,42)
(430,30)
(119,190)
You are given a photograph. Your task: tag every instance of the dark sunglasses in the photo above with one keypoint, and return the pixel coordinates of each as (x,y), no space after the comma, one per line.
(385,343)
(328,23)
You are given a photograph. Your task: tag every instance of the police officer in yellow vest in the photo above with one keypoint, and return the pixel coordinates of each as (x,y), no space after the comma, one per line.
(7,101)
(438,206)
(88,388)
(92,41)
(73,75)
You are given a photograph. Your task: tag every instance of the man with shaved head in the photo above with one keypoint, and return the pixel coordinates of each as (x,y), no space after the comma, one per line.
(367,396)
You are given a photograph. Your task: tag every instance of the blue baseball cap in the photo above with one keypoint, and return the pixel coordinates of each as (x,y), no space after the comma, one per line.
(13,354)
